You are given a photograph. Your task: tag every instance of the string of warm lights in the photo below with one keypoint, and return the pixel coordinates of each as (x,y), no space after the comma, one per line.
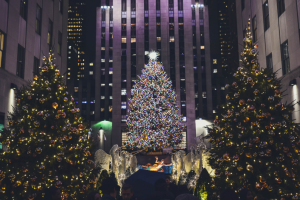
(153,120)
(256,143)
(46,142)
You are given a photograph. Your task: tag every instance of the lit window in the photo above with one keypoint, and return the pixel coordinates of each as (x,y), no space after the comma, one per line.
(215,61)
(102,109)
(102,48)
(123,105)
(222,88)
(110,72)
(69,73)
(75,89)
(84,101)
(92,112)
(110,97)
(214,111)
(123,118)
(202,47)
(69,57)
(91,72)
(102,84)
(184,119)
(102,97)
(215,71)
(133,40)
(123,40)
(203,94)
(110,108)
(158,39)
(69,68)
(102,60)
(172,39)
(110,84)
(123,92)
(91,64)
(70,47)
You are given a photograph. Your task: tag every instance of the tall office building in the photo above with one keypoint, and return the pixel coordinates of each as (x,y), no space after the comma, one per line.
(28,29)
(81,55)
(126,30)
(275,28)
(224,46)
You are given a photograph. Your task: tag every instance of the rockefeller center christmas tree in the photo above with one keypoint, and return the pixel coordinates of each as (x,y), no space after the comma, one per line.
(256,143)
(153,121)
(47,142)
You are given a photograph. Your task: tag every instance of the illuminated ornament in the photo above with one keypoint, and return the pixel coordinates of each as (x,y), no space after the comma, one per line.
(256,72)
(234,84)
(277,92)
(58,184)
(294,161)
(250,108)
(268,152)
(25,107)
(38,150)
(262,105)
(242,102)
(18,100)
(271,132)
(249,79)
(278,180)
(65,99)
(249,167)
(42,100)
(236,95)
(36,124)
(239,168)
(236,157)
(80,127)
(216,121)
(271,98)
(56,116)
(248,155)
(227,86)
(57,72)
(246,119)
(63,115)
(256,46)
(54,105)
(59,159)
(256,91)
(40,113)
(35,77)
(48,88)
(45,69)
(285,149)
(226,157)
(227,96)
(72,99)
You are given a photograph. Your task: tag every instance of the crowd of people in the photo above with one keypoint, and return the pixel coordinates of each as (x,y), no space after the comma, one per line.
(164,190)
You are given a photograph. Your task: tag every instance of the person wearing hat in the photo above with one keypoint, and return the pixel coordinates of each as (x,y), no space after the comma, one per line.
(109,189)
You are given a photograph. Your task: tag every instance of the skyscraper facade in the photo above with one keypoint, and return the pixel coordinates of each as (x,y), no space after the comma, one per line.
(28,30)
(126,31)
(81,55)
(275,29)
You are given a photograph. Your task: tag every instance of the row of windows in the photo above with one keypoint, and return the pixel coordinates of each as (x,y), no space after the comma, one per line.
(280,10)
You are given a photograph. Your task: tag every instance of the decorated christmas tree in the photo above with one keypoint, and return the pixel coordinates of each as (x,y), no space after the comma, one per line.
(153,121)
(46,142)
(256,144)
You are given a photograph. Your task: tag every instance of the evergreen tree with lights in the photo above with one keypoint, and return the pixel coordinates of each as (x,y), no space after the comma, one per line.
(153,120)
(47,142)
(256,144)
